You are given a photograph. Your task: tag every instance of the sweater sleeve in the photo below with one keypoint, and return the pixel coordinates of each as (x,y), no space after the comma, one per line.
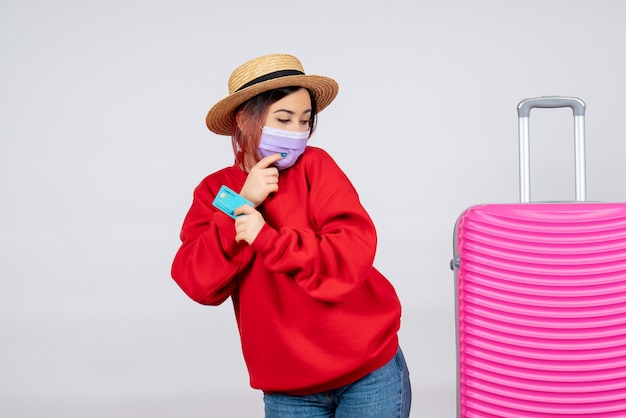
(334,254)
(208,261)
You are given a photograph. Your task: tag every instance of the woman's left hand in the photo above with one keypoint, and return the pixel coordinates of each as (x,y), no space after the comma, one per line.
(249,224)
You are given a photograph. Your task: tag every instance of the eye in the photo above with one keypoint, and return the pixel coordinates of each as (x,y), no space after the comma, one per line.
(283,121)
(305,122)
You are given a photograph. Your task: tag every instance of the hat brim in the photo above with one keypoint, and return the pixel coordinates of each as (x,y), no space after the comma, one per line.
(219,119)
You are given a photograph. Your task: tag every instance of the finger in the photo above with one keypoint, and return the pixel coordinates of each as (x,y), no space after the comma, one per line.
(244,210)
(271,173)
(269,160)
(271,180)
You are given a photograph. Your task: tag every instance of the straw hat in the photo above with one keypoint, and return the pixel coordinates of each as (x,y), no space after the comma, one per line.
(262,74)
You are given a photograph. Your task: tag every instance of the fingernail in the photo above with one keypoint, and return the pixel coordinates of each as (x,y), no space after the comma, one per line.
(283,154)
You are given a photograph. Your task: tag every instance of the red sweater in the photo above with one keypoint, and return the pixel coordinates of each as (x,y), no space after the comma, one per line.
(313,313)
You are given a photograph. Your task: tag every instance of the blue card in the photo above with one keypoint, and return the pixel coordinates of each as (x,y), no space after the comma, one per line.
(227,201)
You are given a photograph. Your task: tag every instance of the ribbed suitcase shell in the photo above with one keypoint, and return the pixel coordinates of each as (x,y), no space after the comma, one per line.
(541,299)
(541,314)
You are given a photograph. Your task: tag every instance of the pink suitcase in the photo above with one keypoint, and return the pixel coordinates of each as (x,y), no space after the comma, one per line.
(541,299)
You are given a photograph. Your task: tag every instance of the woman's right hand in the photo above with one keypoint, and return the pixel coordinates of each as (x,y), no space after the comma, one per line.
(262,180)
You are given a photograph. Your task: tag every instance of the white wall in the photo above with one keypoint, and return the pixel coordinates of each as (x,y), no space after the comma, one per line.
(102,140)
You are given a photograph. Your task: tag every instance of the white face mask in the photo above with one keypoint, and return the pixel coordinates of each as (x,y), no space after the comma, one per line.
(291,143)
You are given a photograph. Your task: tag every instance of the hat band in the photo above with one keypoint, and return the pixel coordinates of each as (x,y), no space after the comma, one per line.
(270,76)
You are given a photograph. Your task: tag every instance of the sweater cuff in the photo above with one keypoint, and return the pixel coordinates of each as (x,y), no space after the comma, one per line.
(265,240)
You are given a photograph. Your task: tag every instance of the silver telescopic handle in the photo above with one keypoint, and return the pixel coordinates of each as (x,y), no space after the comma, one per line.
(523,112)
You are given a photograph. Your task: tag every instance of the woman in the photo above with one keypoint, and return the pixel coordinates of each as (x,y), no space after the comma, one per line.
(318,323)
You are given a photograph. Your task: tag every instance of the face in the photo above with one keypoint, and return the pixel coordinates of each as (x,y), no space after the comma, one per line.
(292,112)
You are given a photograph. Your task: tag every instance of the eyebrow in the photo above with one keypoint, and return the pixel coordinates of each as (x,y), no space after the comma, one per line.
(291,112)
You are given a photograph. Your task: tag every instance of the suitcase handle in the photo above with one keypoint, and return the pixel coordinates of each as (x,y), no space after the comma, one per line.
(523,112)
(577,105)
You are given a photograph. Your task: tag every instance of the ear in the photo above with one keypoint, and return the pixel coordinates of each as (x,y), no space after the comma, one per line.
(245,123)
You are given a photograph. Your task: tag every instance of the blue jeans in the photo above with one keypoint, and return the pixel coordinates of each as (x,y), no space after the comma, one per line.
(384,393)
